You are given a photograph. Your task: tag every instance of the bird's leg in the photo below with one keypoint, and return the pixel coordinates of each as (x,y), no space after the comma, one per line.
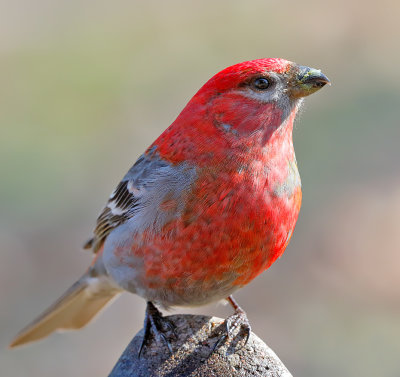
(237,320)
(155,323)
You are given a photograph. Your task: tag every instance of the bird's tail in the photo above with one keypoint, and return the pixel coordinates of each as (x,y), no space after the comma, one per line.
(73,310)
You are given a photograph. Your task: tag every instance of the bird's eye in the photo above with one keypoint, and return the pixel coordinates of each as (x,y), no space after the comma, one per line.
(261,83)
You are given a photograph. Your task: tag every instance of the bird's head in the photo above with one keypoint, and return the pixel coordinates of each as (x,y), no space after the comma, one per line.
(259,91)
(243,105)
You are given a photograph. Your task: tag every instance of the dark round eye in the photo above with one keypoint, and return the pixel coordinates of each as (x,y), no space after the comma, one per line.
(261,83)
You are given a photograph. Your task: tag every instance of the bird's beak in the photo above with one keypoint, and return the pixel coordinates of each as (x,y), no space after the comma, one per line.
(306,81)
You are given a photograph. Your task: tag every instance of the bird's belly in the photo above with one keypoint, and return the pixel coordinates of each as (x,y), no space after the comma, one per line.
(219,244)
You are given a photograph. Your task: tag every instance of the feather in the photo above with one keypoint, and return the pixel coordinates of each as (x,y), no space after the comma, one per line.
(73,310)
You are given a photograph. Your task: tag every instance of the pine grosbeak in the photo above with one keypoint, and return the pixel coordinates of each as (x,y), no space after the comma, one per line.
(210,205)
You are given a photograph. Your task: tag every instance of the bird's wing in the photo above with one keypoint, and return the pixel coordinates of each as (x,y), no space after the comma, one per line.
(148,183)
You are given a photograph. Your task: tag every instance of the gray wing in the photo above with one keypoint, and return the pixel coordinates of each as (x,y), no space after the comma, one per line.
(148,182)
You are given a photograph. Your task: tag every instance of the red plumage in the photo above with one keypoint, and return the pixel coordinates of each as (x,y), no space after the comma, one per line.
(211,204)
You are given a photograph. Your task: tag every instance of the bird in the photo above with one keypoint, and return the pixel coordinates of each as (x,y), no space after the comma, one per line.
(209,205)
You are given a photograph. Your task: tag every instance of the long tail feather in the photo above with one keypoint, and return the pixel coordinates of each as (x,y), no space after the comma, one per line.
(73,310)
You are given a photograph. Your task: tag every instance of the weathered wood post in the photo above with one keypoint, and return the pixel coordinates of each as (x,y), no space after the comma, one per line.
(195,337)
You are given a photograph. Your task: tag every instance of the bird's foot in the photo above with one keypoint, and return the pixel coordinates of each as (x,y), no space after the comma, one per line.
(235,325)
(157,325)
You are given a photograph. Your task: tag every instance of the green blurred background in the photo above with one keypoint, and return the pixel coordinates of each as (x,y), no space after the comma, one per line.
(87,85)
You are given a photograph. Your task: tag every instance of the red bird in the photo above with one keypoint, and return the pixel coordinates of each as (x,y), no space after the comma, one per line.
(210,205)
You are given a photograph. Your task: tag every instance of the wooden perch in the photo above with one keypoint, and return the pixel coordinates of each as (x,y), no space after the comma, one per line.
(195,337)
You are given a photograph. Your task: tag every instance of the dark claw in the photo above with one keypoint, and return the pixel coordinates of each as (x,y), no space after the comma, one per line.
(167,343)
(227,325)
(144,341)
(248,332)
(219,342)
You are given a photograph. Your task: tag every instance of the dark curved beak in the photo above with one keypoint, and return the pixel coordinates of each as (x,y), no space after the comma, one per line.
(307,81)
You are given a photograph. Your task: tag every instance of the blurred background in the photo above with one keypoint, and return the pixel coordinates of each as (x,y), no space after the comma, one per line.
(86,86)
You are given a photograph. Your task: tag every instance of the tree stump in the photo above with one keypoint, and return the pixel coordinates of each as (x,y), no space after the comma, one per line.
(192,342)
